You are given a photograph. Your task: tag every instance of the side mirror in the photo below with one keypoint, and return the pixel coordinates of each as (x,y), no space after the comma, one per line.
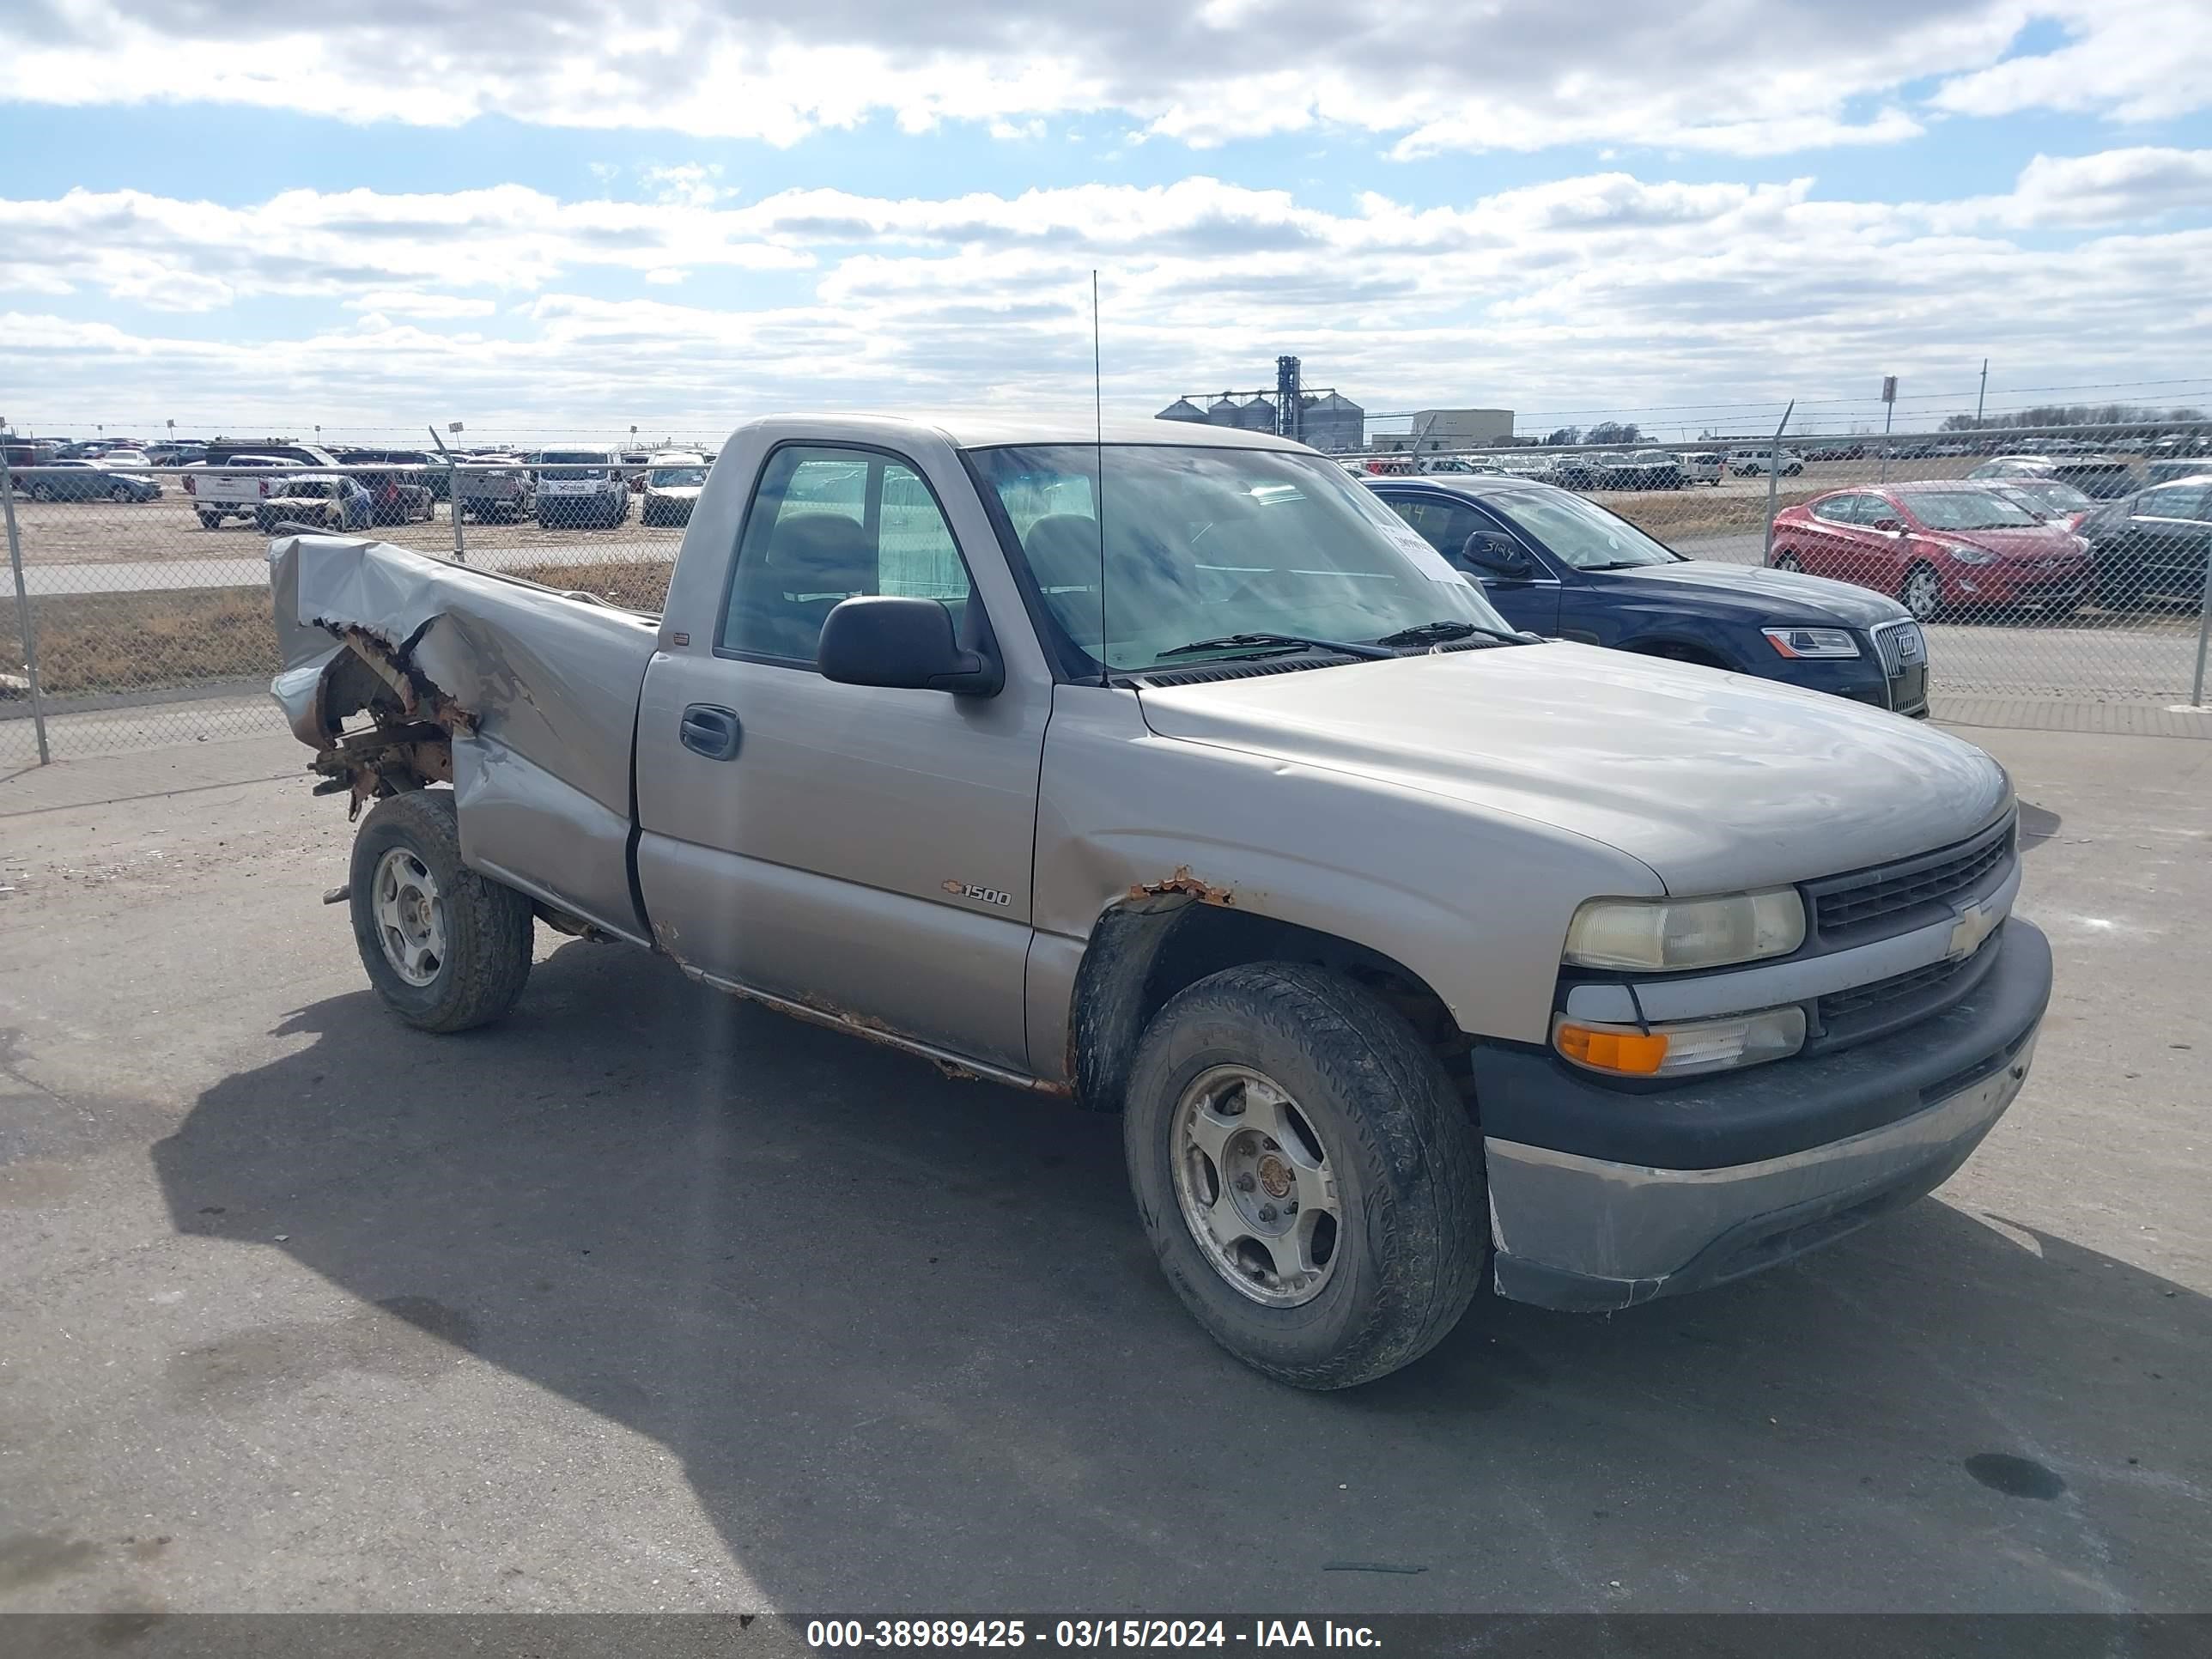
(908,644)
(1890,526)
(1499,555)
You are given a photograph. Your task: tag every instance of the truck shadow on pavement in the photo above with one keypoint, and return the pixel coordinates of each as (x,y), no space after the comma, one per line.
(914,1353)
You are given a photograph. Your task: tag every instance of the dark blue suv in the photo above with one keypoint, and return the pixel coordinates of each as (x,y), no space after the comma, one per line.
(1561,566)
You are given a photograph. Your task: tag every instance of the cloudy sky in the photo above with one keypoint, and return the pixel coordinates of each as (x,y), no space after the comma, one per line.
(573,216)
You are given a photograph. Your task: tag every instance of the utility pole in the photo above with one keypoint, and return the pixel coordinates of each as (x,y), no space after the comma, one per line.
(1889,414)
(1982,397)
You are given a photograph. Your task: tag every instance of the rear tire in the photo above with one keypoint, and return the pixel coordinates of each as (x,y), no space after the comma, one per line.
(210,520)
(1788,561)
(446,948)
(42,491)
(1380,1145)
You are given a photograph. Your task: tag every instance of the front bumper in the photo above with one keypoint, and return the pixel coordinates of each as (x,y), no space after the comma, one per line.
(1861,679)
(1722,1176)
(2002,584)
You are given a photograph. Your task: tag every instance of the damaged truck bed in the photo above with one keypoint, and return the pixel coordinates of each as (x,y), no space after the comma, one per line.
(521,697)
(1412,951)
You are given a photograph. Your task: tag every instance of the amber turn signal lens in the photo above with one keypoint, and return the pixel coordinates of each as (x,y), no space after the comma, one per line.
(1638,1053)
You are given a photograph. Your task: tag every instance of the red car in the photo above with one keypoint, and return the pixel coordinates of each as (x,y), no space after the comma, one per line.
(1937,546)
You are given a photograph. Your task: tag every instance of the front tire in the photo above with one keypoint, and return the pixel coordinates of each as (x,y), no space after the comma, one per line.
(1307,1173)
(1922,593)
(446,948)
(1788,561)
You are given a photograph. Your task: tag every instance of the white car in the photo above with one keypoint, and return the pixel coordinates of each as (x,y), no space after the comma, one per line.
(1752,462)
(1702,466)
(673,479)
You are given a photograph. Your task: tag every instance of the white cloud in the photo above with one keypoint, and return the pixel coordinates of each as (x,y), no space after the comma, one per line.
(419,304)
(2135,60)
(2113,187)
(1720,76)
(1604,291)
(197,256)
(690,184)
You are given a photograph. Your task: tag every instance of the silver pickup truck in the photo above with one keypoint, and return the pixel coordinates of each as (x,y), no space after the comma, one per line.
(1169,772)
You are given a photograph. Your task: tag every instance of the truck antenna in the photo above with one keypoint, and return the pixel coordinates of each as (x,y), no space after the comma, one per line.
(1098,432)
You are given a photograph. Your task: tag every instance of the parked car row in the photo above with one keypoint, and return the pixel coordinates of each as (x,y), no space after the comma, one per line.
(90,481)
(1555,563)
(1975,546)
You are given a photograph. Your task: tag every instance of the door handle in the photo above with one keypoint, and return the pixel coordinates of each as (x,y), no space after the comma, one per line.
(710,731)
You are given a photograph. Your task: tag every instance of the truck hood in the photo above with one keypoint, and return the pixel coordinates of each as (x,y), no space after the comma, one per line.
(1715,781)
(1776,596)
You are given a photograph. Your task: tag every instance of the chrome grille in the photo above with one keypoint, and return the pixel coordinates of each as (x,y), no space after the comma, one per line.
(1851,904)
(1901,645)
(1862,1012)
(1867,999)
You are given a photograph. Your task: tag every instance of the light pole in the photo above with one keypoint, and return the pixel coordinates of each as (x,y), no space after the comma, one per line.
(452,489)
(23,621)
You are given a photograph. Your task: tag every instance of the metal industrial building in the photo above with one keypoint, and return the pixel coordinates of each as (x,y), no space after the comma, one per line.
(1435,429)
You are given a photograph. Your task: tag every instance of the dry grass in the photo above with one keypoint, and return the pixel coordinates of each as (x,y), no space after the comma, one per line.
(635,586)
(1671,514)
(91,643)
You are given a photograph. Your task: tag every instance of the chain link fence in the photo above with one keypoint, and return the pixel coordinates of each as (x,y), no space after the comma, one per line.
(138,611)
(2064,566)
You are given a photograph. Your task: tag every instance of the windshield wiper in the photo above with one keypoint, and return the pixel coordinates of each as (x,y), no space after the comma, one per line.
(1621,564)
(1277,641)
(1430,633)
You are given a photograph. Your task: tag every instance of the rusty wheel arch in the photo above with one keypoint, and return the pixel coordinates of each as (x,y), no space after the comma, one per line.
(1169,935)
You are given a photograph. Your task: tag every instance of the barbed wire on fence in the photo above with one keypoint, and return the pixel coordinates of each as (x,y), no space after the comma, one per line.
(2063,564)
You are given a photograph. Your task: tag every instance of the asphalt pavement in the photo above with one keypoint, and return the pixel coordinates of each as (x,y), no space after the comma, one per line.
(647,1299)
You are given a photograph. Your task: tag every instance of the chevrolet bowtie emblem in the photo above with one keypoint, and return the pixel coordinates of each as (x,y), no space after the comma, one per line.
(1968,933)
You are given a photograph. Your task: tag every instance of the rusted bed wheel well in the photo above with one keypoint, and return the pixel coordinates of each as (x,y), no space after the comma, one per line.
(1143,952)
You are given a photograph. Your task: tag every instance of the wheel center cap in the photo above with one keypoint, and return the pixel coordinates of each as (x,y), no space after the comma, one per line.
(1276,1176)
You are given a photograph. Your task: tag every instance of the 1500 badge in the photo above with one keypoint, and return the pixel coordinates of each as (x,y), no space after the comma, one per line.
(981,894)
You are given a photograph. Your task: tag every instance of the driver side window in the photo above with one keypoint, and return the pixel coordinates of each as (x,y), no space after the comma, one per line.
(826,525)
(1444,525)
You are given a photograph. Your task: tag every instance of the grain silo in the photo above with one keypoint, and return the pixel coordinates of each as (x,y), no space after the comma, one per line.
(1224,411)
(1334,422)
(1182,410)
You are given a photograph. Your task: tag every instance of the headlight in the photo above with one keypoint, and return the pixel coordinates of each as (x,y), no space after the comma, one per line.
(1657,935)
(1971,555)
(1812,642)
(1683,1049)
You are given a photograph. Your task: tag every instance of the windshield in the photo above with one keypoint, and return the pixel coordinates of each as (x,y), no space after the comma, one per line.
(1962,509)
(574,464)
(2047,493)
(1580,532)
(1202,542)
(676,478)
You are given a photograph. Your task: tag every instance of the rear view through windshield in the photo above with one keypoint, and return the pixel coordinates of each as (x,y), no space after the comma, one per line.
(1202,543)
(1970,509)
